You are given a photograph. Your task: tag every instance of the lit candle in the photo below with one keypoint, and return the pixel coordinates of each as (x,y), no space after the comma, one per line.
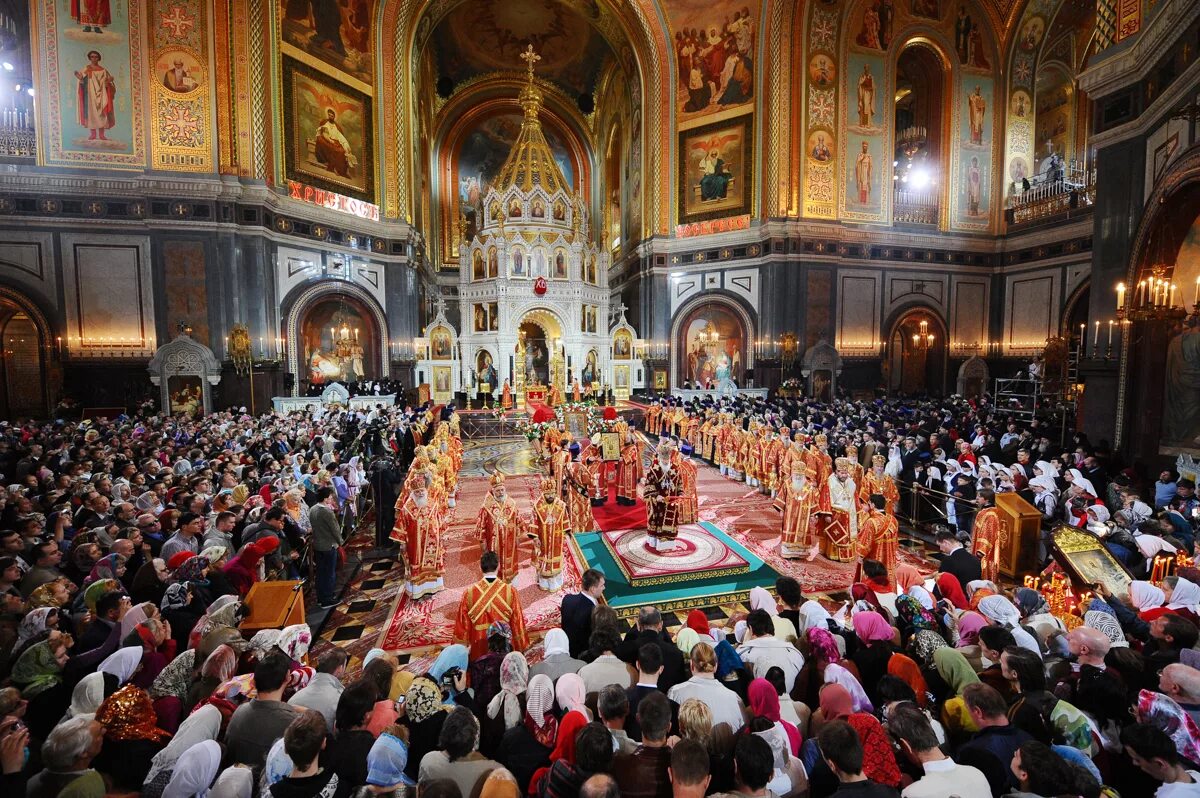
(1110,329)
(1121,295)
(1196,296)
(1174,288)
(1096,337)
(1140,295)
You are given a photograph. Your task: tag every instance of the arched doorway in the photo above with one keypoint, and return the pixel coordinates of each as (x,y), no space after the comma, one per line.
(916,354)
(24,367)
(541,331)
(919,177)
(1076,315)
(338,341)
(711,342)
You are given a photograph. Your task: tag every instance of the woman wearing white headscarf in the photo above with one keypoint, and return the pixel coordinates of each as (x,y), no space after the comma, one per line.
(202,725)
(760,599)
(195,771)
(1002,612)
(87,696)
(235,781)
(1146,596)
(1184,595)
(1076,478)
(836,674)
(123,663)
(558,659)
(1045,497)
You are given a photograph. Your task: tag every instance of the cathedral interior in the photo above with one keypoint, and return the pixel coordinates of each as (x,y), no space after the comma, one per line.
(638,195)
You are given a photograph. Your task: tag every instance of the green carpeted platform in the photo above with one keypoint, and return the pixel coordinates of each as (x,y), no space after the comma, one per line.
(692,591)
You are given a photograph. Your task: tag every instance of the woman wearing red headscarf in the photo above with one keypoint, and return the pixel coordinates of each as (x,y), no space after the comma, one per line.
(242,570)
(879,761)
(764,703)
(555,780)
(949,589)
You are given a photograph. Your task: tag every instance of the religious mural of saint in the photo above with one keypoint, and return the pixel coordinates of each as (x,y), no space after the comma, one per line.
(866,97)
(91,14)
(714,182)
(862,174)
(976,107)
(97,89)
(332,148)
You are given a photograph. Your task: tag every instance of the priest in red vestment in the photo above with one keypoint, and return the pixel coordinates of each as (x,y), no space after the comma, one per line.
(987,535)
(878,538)
(488,601)
(421,544)
(629,467)
(550,524)
(499,524)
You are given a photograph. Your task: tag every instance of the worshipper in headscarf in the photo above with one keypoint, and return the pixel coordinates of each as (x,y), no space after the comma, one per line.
(879,760)
(484,672)
(131,737)
(218,668)
(947,587)
(109,567)
(221,613)
(906,669)
(452,657)
(294,641)
(123,663)
(763,701)
(242,571)
(871,658)
(38,672)
(202,725)
(90,693)
(506,708)
(1003,612)
(150,581)
(838,674)
(1183,597)
(912,617)
(1036,615)
(386,762)
(526,747)
(425,713)
(910,581)
(1164,713)
(957,673)
(195,771)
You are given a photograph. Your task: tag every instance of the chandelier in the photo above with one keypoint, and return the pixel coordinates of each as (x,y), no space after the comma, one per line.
(924,339)
(709,335)
(911,140)
(1155,297)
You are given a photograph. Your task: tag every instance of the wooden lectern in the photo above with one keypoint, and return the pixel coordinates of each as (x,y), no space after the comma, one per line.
(274,605)
(1021,527)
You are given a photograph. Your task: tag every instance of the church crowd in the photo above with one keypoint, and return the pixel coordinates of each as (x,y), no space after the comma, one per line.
(128,548)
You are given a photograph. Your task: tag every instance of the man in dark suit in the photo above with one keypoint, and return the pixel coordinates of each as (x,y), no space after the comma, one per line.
(577,610)
(650,630)
(956,560)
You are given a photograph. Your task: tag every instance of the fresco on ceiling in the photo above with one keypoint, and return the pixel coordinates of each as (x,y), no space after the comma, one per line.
(489,36)
(714,46)
(94,82)
(484,150)
(333,32)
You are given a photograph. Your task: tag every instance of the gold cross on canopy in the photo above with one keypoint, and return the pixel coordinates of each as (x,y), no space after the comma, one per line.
(530,58)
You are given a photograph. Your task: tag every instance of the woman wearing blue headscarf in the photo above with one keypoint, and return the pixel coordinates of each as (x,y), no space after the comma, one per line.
(452,658)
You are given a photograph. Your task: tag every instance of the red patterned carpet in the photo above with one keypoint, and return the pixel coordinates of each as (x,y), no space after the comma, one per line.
(746,515)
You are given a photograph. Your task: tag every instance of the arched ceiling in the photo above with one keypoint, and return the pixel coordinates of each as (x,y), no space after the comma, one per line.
(485,36)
